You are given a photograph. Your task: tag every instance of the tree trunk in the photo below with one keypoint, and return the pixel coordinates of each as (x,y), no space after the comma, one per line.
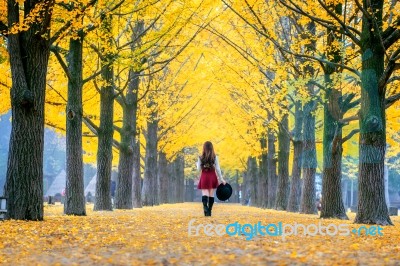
(74,193)
(244,189)
(129,105)
(106,129)
(295,186)
(283,164)
(345,183)
(352,193)
(252,178)
(29,54)
(149,190)
(172,182)
(189,191)
(136,175)
(386,178)
(236,188)
(309,163)
(332,203)
(176,175)
(264,173)
(162,174)
(272,178)
(259,185)
(181,177)
(282,192)
(128,131)
(372,208)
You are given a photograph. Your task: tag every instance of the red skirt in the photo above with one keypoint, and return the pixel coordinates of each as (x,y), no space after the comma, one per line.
(208,179)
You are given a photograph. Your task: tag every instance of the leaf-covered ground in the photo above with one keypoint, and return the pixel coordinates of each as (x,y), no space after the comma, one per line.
(159,236)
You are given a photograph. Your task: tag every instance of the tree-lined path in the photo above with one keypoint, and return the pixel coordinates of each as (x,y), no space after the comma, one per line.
(159,236)
(105,106)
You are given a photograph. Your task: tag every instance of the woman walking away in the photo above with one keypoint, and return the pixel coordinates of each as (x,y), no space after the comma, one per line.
(210,177)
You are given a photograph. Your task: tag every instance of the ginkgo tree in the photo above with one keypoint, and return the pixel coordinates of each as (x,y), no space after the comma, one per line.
(133,51)
(377,38)
(326,18)
(277,75)
(27,32)
(152,80)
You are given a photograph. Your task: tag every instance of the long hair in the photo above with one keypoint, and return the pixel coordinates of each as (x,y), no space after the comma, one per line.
(207,158)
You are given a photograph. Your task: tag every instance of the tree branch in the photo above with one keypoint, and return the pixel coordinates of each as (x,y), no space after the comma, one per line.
(49,124)
(342,24)
(325,23)
(391,34)
(393,79)
(64,66)
(70,22)
(283,49)
(3,29)
(391,100)
(391,66)
(94,75)
(345,121)
(350,135)
(95,129)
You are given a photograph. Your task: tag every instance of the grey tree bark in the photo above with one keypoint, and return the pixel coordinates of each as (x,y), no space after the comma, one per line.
(74,193)
(264,173)
(345,189)
(123,199)
(272,177)
(372,208)
(295,185)
(181,177)
(162,176)
(149,190)
(282,195)
(260,192)
(172,180)
(129,105)
(244,187)
(28,54)
(252,179)
(309,163)
(189,192)
(332,201)
(106,128)
(136,175)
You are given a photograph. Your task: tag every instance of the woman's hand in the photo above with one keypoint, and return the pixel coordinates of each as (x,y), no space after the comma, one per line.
(224,182)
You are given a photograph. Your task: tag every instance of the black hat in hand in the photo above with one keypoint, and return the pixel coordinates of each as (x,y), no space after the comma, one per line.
(224,192)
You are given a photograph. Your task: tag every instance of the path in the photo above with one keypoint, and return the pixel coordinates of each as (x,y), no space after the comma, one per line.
(159,236)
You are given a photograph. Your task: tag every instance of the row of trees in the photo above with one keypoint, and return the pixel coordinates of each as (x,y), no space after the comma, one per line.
(339,57)
(158,76)
(113,54)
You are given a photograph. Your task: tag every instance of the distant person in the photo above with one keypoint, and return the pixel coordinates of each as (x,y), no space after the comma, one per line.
(210,177)
(319,204)
(89,197)
(113,187)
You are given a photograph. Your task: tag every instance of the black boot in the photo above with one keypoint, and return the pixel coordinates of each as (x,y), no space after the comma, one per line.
(204,199)
(210,204)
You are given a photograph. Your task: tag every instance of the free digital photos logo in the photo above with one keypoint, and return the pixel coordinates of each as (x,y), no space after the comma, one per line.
(280,229)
